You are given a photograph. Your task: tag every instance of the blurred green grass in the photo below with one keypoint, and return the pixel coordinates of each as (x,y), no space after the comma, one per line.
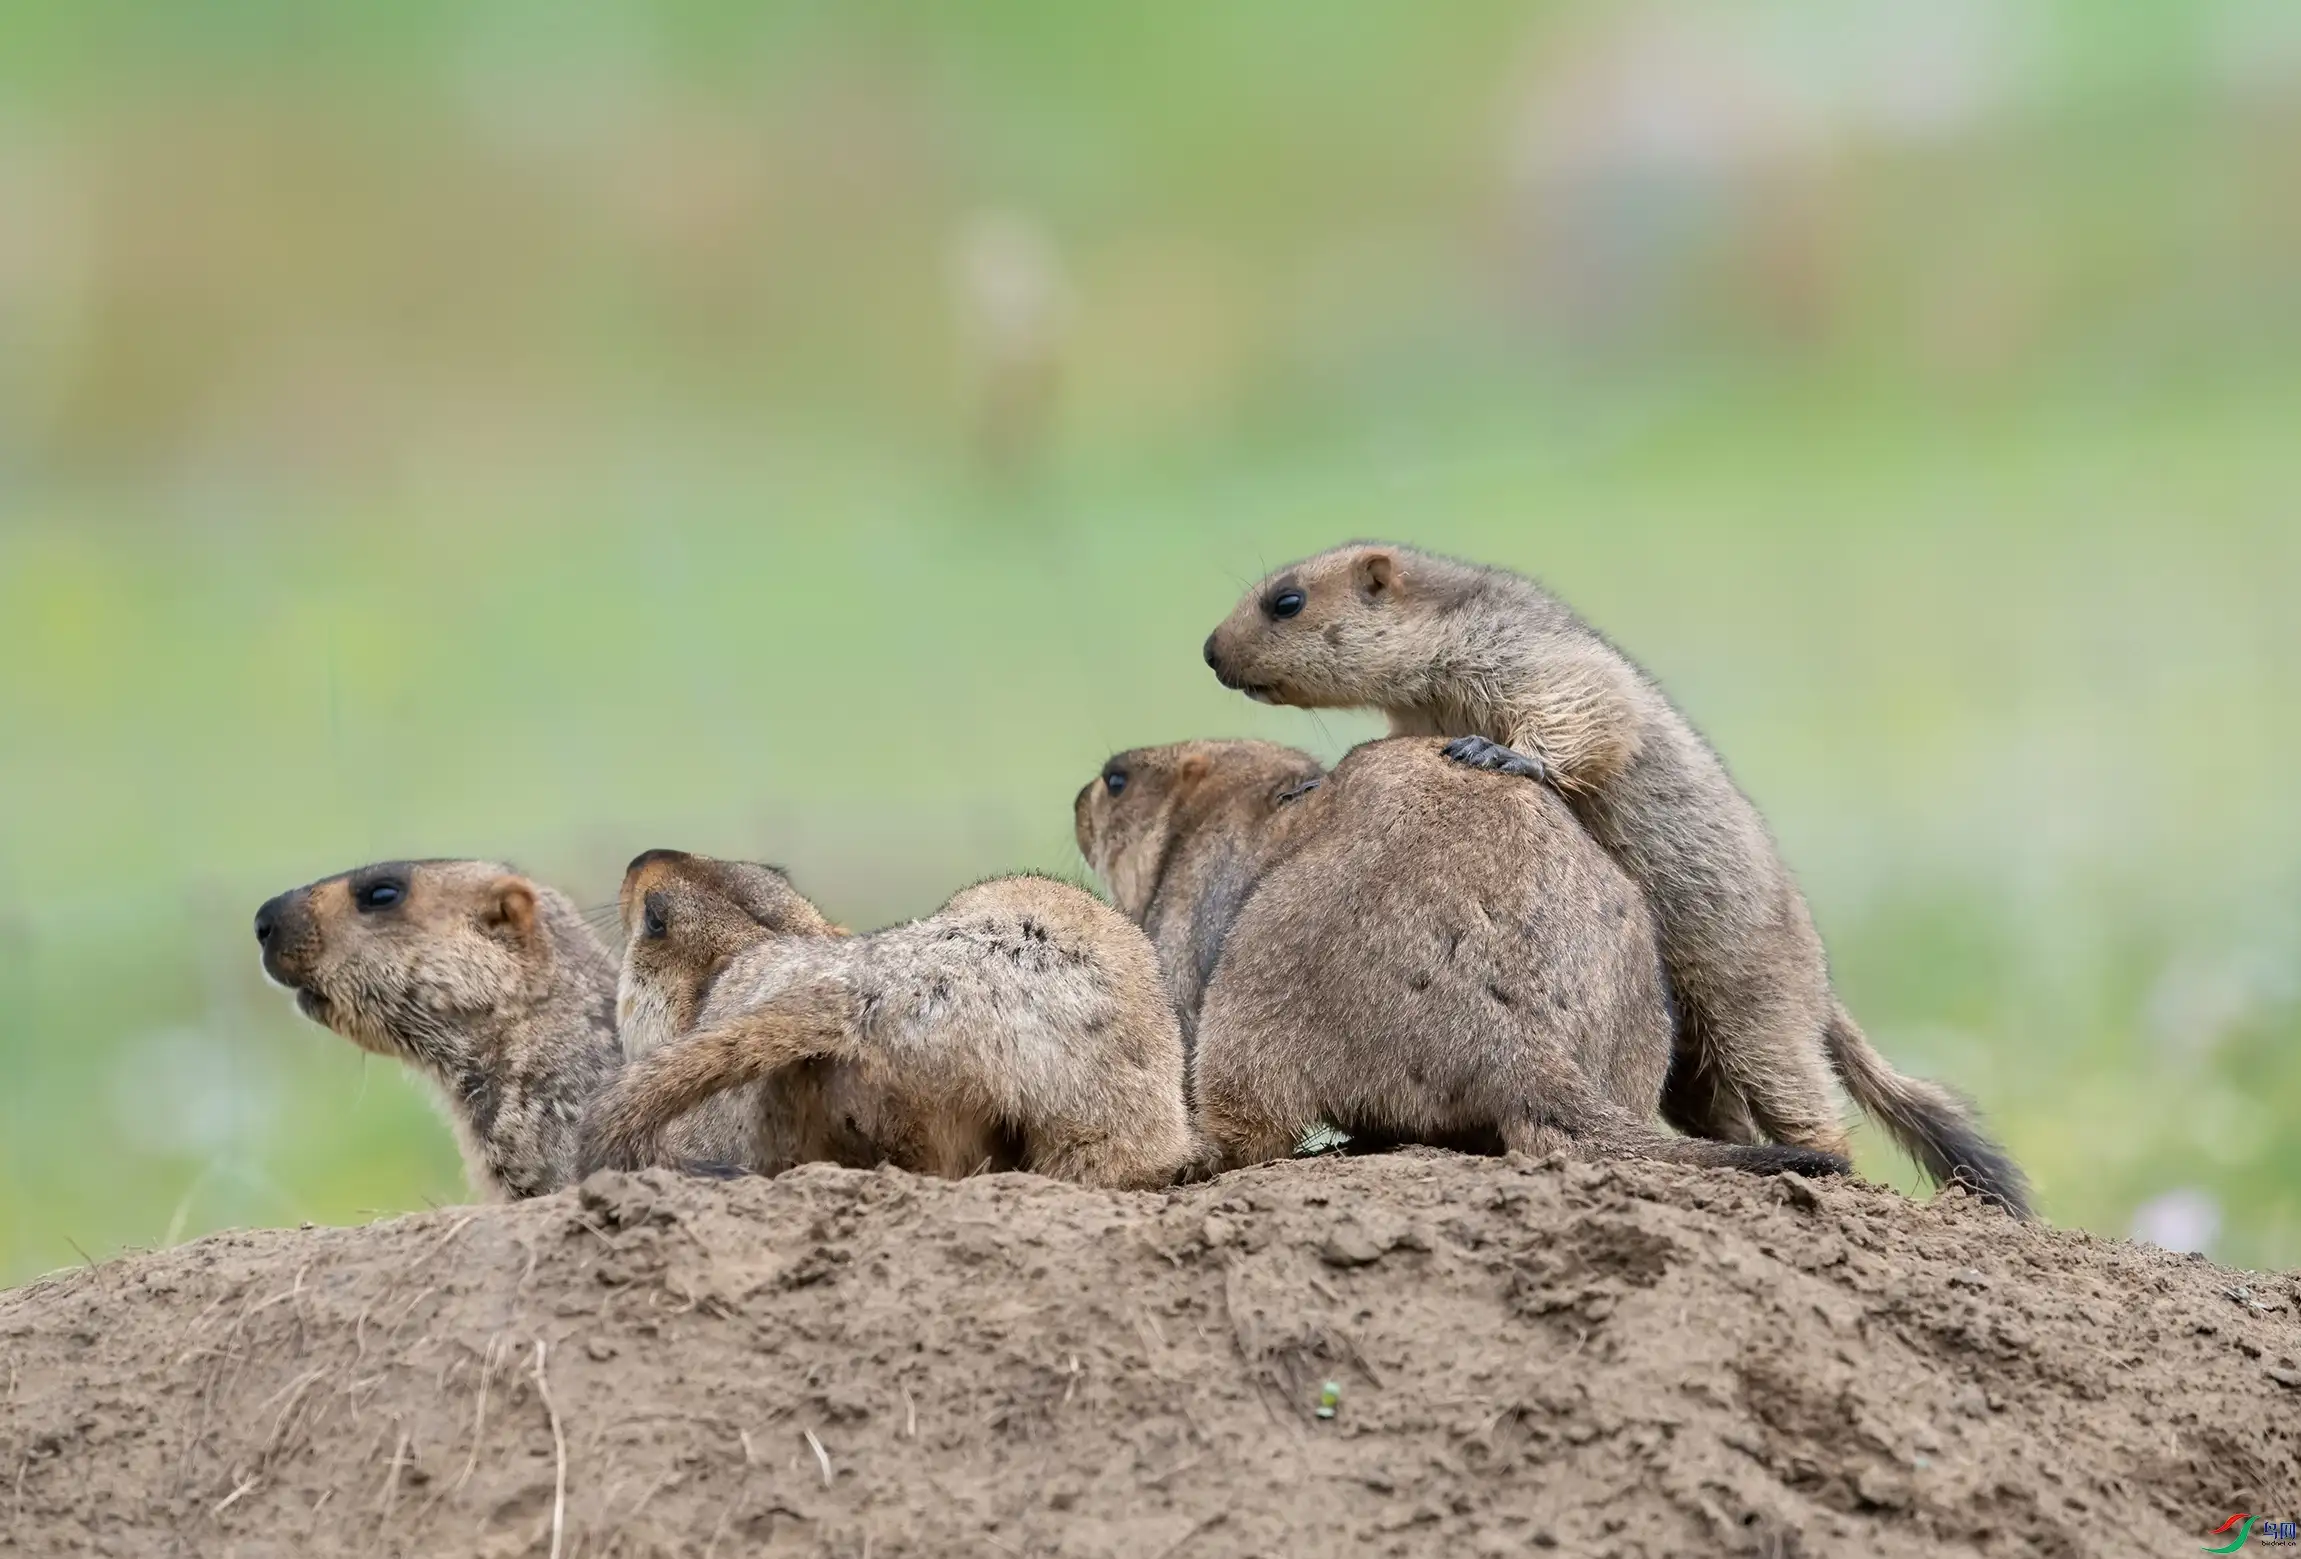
(576,462)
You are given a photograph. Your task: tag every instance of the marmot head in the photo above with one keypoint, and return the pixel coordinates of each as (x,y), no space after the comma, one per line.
(1334,631)
(684,917)
(416,959)
(1129,816)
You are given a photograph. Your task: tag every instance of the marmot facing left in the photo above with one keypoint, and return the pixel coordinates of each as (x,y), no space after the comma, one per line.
(1407,949)
(663,984)
(1179,835)
(486,982)
(686,918)
(1457,650)
(1024,1005)
(735,905)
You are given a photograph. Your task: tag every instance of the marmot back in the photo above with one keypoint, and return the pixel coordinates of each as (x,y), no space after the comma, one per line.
(1417,912)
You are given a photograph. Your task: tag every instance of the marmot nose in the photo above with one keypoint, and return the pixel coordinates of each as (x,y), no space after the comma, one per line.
(268,919)
(1214,664)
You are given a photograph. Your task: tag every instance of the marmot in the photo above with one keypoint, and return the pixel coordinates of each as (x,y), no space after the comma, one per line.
(1178,836)
(1406,948)
(1024,1006)
(488,983)
(685,919)
(1454,649)
(665,979)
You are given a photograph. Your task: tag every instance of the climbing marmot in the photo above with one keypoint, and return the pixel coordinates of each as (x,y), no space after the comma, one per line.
(1407,949)
(1457,650)
(488,983)
(1024,1008)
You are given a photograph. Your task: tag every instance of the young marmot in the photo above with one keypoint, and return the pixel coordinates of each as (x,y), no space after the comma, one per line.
(685,919)
(1406,948)
(665,979)
(1457,650)
(1024,1009)
(487,983)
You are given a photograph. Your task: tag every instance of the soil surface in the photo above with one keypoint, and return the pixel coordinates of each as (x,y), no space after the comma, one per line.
(1589,1359)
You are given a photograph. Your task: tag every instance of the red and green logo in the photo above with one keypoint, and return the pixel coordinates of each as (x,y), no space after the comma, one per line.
(2241,1524)
(2281,1534)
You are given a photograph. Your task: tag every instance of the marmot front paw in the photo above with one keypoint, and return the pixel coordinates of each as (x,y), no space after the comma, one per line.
(1479,753)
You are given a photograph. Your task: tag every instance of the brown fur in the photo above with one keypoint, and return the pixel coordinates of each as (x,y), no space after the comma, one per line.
(1179,845)
(1406,948)
(685,919)
(1023,1012)
(664,981)
(1457,650)
(488,983)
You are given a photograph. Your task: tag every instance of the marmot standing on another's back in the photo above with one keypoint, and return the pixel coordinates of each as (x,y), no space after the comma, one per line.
(1454,649)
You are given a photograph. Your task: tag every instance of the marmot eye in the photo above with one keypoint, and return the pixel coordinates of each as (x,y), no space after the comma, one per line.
(1287,603)
(1115,781)
(656,923)
(379,895)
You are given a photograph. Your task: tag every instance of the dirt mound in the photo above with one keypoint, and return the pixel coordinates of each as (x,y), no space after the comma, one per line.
(1620,1359)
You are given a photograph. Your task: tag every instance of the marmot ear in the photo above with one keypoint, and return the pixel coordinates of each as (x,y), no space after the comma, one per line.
(1191,770)
(1375,573)
(509,908)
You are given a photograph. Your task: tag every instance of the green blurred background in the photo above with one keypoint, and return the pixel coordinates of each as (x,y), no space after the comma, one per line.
(825,431)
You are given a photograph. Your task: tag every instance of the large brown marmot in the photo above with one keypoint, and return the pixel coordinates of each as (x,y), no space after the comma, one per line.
(1407,949)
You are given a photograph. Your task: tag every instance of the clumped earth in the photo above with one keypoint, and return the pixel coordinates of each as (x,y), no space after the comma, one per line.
(1594,1359)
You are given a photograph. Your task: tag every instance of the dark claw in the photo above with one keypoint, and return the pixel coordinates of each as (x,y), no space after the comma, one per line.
(1810,1162)
(711,1169)
(1479,753)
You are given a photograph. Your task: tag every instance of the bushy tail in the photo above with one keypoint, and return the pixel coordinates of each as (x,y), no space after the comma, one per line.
(1574,1119)
(1932,1124)
(624,1126)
